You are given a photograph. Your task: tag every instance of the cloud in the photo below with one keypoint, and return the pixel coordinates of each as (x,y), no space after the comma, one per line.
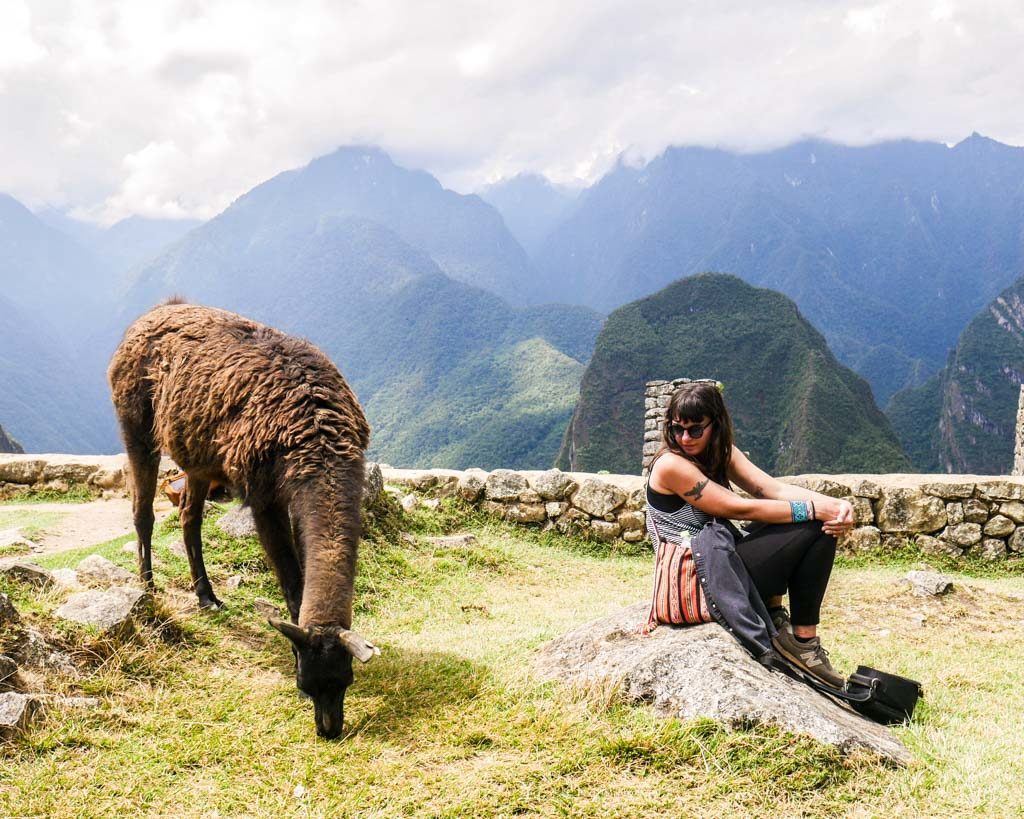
(179,106)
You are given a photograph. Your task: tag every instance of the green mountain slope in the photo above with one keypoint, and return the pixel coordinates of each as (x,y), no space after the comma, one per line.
(796,409)
(888,249)
(964,419)
(8,445)
(450,374)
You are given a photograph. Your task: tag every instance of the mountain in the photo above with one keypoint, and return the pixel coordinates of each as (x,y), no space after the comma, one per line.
(46,401)
(795,408)
(49,276)
(531,206)
(889,249)
(449,373)
(8,445)
(464,236)
(964,418)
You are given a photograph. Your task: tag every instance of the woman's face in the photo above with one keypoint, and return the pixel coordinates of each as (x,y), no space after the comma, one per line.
(693,437)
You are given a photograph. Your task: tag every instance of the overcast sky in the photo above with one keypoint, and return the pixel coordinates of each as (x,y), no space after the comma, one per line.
(176,107)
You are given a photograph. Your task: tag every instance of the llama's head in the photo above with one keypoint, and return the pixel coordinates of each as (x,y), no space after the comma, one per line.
(323,668)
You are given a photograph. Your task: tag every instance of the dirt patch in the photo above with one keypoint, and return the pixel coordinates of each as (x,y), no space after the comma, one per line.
(84,524)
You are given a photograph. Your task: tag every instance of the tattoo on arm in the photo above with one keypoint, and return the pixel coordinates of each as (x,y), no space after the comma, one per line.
(697,490)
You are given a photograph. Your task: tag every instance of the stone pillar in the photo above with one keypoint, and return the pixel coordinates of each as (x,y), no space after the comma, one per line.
(656,397)
(1018,448)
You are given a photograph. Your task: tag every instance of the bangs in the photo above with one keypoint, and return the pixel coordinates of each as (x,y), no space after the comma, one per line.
(691,408)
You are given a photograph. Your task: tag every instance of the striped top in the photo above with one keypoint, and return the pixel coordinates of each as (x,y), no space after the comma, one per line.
(678,526)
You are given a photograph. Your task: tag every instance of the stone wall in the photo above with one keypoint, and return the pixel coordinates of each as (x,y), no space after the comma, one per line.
(1018,444)
(656,398)
(955,515)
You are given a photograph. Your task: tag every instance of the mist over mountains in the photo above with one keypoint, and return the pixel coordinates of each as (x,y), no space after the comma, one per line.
(465,323)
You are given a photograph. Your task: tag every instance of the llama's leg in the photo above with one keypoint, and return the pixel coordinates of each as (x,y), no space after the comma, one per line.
(145,464)
(275,533)
(191,528)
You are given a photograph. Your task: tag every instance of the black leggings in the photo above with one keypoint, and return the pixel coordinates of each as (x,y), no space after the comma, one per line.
(793,556)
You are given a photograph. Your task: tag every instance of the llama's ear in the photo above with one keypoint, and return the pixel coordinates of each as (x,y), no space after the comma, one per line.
(359,647)
(297,634)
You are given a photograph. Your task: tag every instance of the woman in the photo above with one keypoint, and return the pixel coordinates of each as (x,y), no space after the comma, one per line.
(791,545)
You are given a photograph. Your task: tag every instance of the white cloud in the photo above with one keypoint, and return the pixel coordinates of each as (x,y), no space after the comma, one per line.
(179,106)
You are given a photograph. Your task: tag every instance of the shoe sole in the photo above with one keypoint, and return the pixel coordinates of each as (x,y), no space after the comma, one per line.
(799,664)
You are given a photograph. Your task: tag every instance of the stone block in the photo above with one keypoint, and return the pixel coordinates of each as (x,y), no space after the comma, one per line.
(66,579)
(603,530)
(504,485)
(860,539)
(866,489)
(992,549)
(237,523)
(936,546)
(573,521)
(598,498)
(553,484)
(1015,543)
(470,484)
(948,490)
(108,478)
(633,535)
(962,534)
(1001,490)
(954,513)
(24,472)
(1014,510)
(555,508)
(373,482)
(909,510)
(863,511)
(632,520)
(975,511)
(525,512)
(998,526)
(530,496)
(17,711)
(928,584)
(651,447)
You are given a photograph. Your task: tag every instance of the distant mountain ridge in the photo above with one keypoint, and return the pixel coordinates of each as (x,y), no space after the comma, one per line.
(795,408)
(888,249)
(531,206)
(964,418)
(8,445)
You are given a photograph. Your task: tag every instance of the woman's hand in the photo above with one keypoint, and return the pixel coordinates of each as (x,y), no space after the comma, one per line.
(837,516)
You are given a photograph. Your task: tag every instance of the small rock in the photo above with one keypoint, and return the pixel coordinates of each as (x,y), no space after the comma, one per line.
(66,579)
(238,523)
(27,573)
(928,584)
(954,513)
(131,548)
(975,511)
(525,513)
(963,534)
(918,619)
(8,668)
(603,530)
(1015,543)
(530,496)
(96,570)
(471,484)
(633,535)
(409,503)
(555,508)
(861,539)
(178,549)
(9,617)
(936,546)
(431,503)
(17,712)
(233,582)
(597,498)
(110,610)
(553,484)
(1014,510)
(998,526)
(33,650)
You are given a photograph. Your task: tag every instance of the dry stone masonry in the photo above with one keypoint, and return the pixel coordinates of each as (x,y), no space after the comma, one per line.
(656,398)
(943,514)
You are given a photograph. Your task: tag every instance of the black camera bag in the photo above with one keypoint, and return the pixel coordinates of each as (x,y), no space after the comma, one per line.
(885,698)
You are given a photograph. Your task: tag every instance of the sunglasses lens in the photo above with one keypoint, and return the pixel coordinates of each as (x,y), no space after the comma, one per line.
(694,432)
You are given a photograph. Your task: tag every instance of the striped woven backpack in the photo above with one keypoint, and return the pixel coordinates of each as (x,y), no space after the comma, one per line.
(678,597)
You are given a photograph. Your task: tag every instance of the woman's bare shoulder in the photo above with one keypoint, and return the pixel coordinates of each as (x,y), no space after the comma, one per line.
(668,467)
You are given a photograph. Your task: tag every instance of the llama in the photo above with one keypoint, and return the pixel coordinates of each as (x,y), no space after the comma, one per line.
(243,404)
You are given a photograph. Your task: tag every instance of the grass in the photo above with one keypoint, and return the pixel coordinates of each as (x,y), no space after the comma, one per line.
(199,714)
(76,493)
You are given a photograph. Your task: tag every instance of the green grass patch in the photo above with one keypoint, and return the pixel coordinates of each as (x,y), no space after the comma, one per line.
(75,493)
(199,714)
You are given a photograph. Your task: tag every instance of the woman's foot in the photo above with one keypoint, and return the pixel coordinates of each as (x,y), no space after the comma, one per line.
(780,618)
(809,656)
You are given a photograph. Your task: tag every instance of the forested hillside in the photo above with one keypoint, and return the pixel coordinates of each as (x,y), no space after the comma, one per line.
(888,250)
(8,445)
(795,408)
(964,418)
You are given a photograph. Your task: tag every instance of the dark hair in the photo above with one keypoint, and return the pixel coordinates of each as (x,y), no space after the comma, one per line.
(693,402)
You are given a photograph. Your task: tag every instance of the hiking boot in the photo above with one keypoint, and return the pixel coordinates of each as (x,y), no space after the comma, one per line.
(808,656)
(780,618)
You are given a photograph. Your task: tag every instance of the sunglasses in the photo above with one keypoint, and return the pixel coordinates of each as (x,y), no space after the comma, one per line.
(695,432)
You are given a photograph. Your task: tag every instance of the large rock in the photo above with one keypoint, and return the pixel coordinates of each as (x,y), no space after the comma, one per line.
(28,573)
(553,484)
(17,712)
(504,485)
(861,539)
(999,526)
(928,583)
(96,570)
(237,523)
(21,470)
(598,498)
(109,611)
(700,671)
(909,510)
(1002,490)
(963,534)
